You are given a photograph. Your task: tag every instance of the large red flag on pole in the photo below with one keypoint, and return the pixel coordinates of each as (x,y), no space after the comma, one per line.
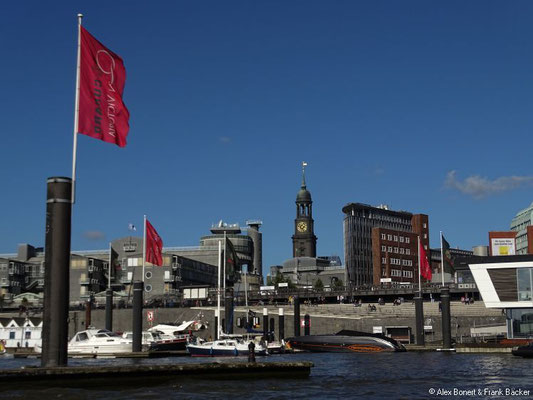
(102,113)
(99,111)
(154,245)
(425,269)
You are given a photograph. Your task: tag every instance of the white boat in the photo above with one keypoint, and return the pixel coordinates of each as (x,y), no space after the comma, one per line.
(98,341)
(229,346)
(224,348)
(155,340)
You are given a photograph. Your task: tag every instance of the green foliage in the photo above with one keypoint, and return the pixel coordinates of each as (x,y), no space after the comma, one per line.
(280,278)
(337,283)
(318,285)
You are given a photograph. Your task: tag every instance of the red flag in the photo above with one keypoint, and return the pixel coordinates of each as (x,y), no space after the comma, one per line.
(102,113)
(425,269)
(154,246)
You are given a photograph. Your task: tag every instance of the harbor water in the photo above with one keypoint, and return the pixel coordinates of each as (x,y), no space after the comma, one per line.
(410,375)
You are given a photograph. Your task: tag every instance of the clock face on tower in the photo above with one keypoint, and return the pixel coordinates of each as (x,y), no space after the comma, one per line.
(302,226)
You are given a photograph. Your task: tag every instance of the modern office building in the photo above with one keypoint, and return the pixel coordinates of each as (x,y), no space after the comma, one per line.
(506,282)
(522,224)
(455,275)
(92,271)
(361,246)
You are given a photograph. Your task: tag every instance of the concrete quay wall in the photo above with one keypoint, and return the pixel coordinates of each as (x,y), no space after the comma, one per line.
(323,320)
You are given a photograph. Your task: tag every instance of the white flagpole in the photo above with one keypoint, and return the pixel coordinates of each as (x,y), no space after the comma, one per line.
(441,259)
(76,112)
(419,269)
(218,289)
(144,245)
(225,256)
(109,266)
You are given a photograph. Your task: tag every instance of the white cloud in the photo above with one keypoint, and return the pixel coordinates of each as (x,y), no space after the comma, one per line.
(94,235)
(479,187)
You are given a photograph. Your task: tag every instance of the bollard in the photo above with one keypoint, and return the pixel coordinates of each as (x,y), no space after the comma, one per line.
(296,316)
(215,326)
(307,325)
(446,318)
(265,323)
(228,311)
(419,317)
(281,324)
(88,313)
(57,272)
(138,288)
(109,309)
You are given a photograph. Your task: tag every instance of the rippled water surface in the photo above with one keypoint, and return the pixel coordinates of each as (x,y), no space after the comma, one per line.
(390,376)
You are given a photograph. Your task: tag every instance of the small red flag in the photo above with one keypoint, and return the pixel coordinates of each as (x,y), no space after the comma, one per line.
(425,269)
(102,113)
(154,246)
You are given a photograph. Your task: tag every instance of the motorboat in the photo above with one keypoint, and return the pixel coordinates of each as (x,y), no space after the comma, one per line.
(345,341)
(230,347)
(154,340)
(523,351)
(98,341)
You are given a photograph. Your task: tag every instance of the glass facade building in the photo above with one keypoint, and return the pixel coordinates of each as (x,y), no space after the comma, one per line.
(519,224)
(358,222)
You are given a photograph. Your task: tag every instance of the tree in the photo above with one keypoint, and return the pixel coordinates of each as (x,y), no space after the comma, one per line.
(337,283)
(319,285)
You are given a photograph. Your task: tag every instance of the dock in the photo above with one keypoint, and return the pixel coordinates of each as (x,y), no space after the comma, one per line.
(143,375)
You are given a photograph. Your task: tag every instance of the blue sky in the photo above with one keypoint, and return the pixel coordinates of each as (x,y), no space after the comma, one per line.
(425,106)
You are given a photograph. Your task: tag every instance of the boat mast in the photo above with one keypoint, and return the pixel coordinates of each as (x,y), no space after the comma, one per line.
(218,289)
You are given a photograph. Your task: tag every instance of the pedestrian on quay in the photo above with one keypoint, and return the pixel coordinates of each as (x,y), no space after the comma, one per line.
(251,351)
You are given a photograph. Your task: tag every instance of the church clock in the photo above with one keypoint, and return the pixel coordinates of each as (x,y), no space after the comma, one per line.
(304,239)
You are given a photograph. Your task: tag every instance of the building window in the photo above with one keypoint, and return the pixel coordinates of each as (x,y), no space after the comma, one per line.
(407,240)
(523,277)
(396,250)
(12,335)
(383,236)
(389,237)
(383,248)
(408,251)
(522,322)
(425,235)
(401,239)
(402,250)
(383,260)
(395,238)
(425,225)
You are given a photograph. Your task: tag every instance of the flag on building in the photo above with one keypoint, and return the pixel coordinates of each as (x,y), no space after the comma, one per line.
(102,114)
(231,260)
(115,263)
(425,268)
(154,246)
(447,261)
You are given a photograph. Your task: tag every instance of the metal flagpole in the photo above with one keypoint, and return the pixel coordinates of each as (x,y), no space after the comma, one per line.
(76,112)
(419,269)
(109,267)
(218,289)
(441,259)
(144,245)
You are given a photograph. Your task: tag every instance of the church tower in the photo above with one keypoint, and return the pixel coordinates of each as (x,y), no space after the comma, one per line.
(304,239)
